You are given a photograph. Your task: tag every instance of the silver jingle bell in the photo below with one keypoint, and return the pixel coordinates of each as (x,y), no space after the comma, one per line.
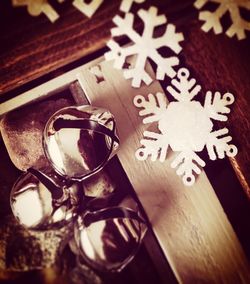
(109,243)
(38,205)
(78,141)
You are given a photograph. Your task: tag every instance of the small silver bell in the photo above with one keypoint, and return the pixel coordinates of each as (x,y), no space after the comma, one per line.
(109,243)
(39,204)
(78,141)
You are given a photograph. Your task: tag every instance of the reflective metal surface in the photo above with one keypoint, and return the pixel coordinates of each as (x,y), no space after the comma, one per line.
(110,244)
(34,207)
(78,141)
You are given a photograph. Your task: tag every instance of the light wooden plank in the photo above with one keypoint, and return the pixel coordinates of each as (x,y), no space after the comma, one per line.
(41,91)
(189,223)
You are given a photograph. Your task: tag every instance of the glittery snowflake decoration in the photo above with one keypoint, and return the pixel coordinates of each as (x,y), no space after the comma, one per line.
(144,46)
(127,4)
(89,8)
(185,125)
(213,19)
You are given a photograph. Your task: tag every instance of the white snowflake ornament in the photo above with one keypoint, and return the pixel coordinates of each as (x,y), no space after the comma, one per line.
(213,19)
(127,4)
(144,46)
(185,126)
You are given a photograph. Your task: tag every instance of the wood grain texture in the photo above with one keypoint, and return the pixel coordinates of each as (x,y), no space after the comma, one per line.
(189,223)
(32,46)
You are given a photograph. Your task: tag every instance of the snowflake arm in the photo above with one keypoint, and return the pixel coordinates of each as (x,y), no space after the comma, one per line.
(165,65)
(154,145)
(186,163)
(88,9)
(138,73)
(119,54)
(217,107)
(127,4)
(35,8)
(172,37)
(212,20)
(151,20)
(220,145)
(185,88)
(153,108)
(125,27)
(200,3)
(239,25)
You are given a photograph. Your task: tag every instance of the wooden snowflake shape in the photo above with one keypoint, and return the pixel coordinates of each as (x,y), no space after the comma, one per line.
(185,126)
(144,46)
(213,19)
(36,7)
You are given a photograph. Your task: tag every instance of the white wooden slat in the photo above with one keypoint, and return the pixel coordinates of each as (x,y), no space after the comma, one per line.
(189,223)
(41,91)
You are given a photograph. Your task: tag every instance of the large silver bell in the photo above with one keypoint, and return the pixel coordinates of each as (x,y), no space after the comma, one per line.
(78,141)
(39,205)
(109,243)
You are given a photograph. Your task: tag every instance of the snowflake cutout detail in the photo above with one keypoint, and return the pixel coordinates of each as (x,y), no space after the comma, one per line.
(127,4)
(213,19)
(185,126)
(144,46)
(88,9)
(36,7)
